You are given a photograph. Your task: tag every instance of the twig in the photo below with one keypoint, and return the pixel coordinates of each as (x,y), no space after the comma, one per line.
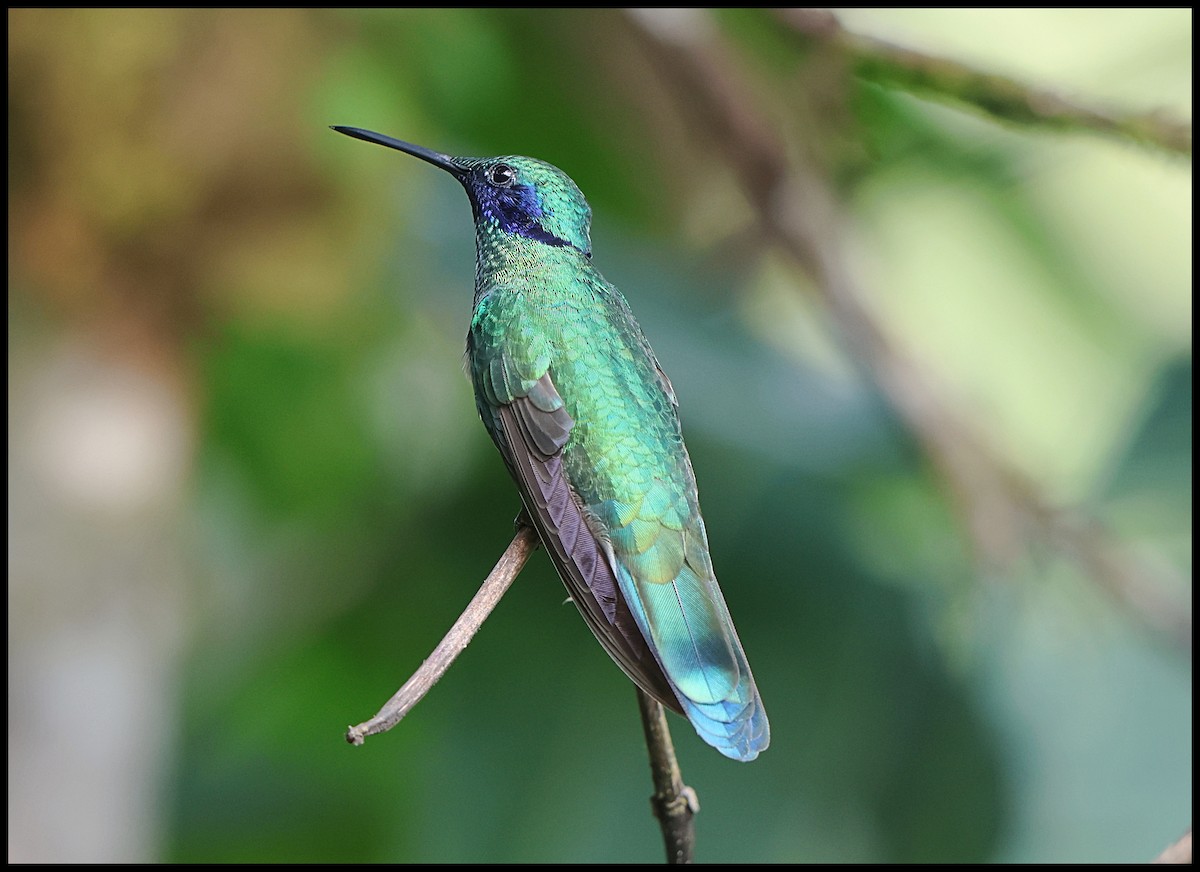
(1179,852)
(524,543)
(999,96)
(798,212)
(674,803)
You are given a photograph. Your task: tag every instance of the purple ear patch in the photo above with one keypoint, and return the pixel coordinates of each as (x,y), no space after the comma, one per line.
(517,210)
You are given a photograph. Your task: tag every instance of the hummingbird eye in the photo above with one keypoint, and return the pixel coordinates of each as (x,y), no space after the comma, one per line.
(501,175)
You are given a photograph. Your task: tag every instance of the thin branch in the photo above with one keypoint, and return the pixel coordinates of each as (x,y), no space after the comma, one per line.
(999,96)
(674,803)
(1179,852)
(797,211)
(524,543)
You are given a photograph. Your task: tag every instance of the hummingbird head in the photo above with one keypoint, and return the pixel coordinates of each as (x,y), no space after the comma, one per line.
(519,196)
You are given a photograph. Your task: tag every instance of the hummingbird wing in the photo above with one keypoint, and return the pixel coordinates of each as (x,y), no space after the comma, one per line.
(530,425)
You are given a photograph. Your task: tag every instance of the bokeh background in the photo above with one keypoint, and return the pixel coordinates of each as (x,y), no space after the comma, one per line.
(934,369)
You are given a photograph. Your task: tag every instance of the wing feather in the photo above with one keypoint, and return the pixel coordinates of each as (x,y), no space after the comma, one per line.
(532,444)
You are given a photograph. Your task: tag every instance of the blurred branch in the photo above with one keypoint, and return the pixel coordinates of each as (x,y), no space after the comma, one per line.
(1179,852)
(674,803)
(797,211)
(524,543)
(999,96)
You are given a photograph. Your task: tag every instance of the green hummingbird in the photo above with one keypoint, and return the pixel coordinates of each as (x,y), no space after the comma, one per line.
(587,423)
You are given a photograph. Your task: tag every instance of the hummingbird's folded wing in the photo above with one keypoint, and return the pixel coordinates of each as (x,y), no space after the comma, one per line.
(530,431)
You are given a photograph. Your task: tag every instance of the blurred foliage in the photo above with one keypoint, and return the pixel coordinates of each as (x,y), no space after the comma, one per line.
(175,189)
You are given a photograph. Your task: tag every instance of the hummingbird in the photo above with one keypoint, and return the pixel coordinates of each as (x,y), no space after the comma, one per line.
(588,426)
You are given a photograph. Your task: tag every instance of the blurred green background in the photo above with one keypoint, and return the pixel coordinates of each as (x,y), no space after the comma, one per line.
(248,490)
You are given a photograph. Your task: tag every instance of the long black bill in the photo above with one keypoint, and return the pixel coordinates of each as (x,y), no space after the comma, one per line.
(445,161)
